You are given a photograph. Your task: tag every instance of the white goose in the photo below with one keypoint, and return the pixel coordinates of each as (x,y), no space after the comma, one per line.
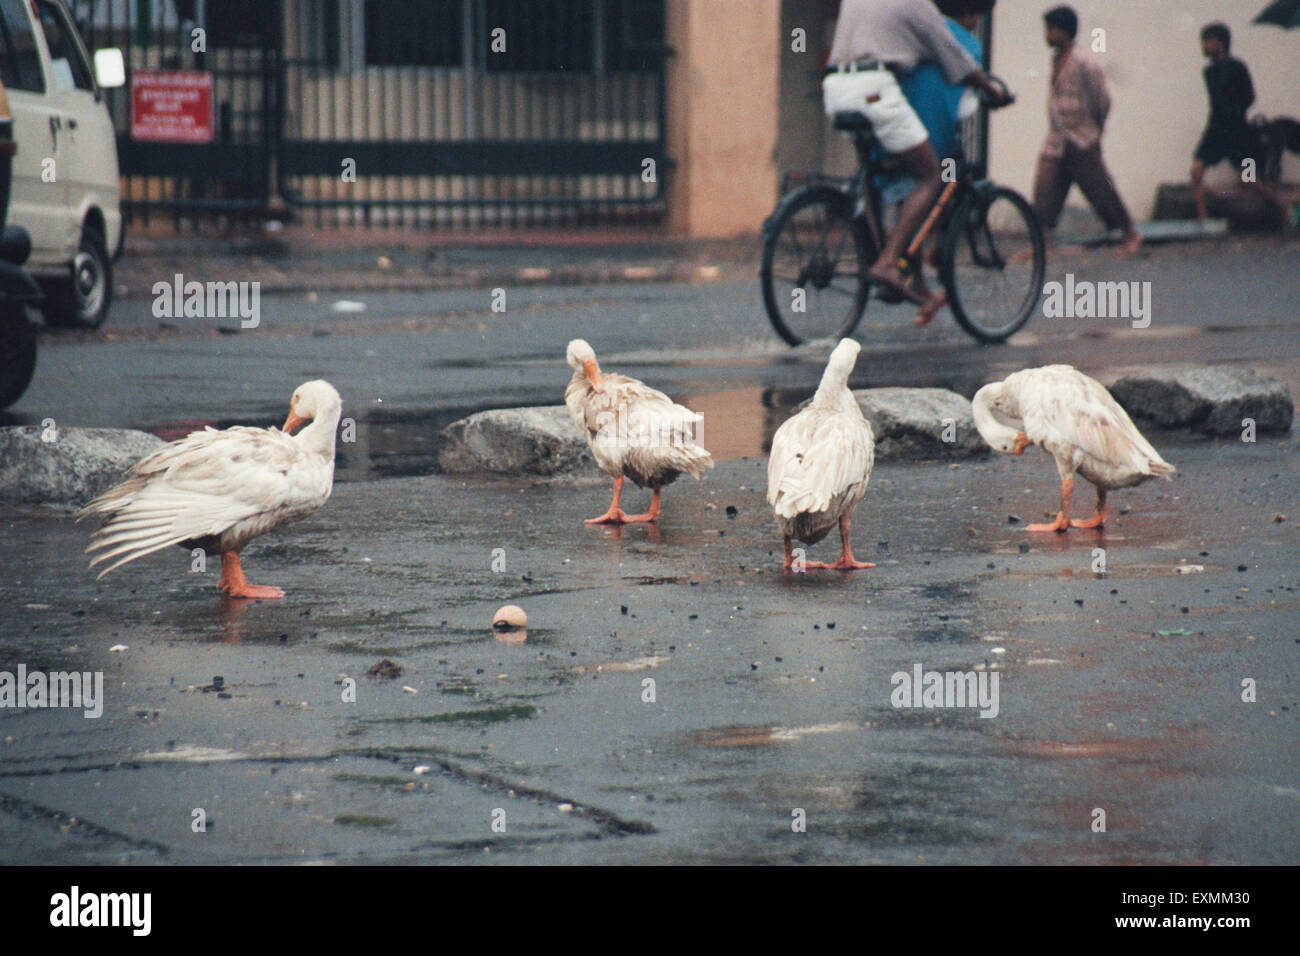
(1077,421)
(633,431)
(217,490)
(820,464)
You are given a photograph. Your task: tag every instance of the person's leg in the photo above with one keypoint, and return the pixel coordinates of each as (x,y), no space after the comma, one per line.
(901,132)
(922,165)
(1099,189)
(1052,183)
(1273,199)
(1198,189)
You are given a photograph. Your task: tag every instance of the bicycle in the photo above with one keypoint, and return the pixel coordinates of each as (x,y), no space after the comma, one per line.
(822,237)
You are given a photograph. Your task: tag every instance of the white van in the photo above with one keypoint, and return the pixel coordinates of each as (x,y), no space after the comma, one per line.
(65,176)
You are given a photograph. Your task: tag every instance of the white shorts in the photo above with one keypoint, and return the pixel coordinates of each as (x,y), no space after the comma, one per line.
(876,93)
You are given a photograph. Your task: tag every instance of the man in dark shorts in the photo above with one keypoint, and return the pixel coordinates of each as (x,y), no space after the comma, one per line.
(1228,136)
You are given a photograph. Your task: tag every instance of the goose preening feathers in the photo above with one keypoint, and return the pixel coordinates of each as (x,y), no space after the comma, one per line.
(1077,421)
(820,464)
(217,490)
(633,431)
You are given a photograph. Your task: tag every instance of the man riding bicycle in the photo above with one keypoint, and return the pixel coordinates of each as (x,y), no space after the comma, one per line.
(875,42)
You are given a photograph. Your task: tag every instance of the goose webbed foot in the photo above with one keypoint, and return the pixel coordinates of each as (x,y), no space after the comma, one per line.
(236,585)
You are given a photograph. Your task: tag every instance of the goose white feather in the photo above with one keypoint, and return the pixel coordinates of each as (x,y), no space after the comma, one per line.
(1078,422)
(217,490)
(633,431)
(820,462)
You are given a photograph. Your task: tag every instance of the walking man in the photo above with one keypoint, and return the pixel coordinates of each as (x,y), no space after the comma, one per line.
(1077,108)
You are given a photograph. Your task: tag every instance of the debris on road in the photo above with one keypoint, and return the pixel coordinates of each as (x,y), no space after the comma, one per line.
(384,670)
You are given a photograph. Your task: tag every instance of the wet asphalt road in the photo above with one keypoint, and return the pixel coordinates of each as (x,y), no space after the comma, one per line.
(761,706)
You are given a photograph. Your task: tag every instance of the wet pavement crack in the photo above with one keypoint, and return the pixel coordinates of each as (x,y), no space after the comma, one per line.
(609,823)
(27,810)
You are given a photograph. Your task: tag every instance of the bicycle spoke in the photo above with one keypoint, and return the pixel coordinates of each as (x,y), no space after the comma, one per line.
(811,268)
(996,266)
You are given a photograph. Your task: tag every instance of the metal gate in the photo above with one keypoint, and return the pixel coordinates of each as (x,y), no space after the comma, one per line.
(438,113)
(231,175)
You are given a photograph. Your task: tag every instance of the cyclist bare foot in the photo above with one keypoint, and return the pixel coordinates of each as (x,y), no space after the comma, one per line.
(892,278)
(1131,246)
(926,313)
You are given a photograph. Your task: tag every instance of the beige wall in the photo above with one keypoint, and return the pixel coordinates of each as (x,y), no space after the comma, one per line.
(1153,65)
(723,96)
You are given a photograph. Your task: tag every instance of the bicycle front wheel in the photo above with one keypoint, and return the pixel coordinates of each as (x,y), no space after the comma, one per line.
(815,260)
(992,263)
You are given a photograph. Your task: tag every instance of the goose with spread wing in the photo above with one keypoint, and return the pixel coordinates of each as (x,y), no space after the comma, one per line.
(633,432)
(217,490)
(820,464)
(1075,420)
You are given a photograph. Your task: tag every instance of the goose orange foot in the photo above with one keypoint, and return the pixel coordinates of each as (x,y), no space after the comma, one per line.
(612,516)
(236,585)
(845,563)
(1098,520)
(616,515)
(846,560)
(1062,523)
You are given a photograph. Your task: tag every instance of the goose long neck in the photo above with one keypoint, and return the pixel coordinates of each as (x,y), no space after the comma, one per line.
(833,389)
(986,423)
(318,434)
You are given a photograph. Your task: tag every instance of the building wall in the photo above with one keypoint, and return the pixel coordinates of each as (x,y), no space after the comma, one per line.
(723,95)
(1153,65)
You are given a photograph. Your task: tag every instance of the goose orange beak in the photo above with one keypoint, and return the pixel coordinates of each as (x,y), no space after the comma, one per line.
(292,422)
(592,373)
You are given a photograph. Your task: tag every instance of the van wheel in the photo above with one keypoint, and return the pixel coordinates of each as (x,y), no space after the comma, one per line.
(81,301)
(17,353)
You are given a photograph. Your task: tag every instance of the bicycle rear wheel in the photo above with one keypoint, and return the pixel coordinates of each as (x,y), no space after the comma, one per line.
(814,271)
(992,263)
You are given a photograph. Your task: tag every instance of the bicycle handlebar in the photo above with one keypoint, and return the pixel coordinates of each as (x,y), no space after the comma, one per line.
(1006,92)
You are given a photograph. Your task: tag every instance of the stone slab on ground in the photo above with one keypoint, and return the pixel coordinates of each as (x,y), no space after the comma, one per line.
(77,465)
(1214,399)
(540,440)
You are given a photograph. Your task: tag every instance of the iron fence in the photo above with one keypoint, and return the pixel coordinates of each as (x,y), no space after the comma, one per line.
(400,112)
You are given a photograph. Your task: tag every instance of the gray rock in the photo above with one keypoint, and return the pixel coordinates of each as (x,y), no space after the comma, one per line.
(1213,399)
(917,423)
(78,465)
(921,423)
(541,440)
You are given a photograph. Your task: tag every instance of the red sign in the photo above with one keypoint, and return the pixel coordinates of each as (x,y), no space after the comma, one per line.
(171,106)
